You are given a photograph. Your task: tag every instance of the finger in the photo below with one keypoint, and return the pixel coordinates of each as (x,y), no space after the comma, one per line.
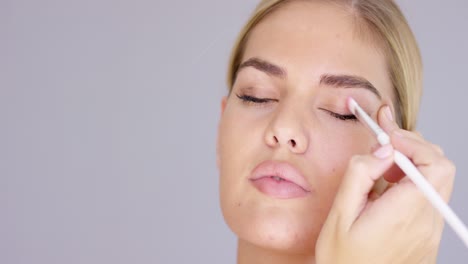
(362,173)
(428,157)
(438,149)
(379,187)
(409,143)
(386,121)
(438,170)
(441,175)
(394,174)
(420,153)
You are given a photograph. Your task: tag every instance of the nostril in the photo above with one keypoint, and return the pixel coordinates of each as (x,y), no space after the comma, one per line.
(293,142)
(276,139)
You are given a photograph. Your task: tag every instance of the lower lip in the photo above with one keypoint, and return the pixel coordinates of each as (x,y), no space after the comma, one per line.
(279,189)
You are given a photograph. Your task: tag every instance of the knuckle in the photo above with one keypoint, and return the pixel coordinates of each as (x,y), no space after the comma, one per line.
(438,149)
(355,159)
(358,162)
(447,168)
(451,167)
(418,134)
(398,132)
(442,176)
(395,131)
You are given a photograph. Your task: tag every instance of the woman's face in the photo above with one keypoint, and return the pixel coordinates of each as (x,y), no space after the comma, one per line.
(285,134)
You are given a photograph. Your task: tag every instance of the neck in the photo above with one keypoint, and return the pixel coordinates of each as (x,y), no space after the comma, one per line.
(248,253)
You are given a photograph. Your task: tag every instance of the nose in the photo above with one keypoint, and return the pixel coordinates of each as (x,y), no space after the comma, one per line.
(286,130)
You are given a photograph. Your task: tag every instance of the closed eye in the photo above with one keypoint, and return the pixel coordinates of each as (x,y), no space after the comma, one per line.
(254,100)
(349,117)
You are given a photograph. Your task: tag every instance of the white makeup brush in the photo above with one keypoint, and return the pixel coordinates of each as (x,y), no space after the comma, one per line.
(412,172)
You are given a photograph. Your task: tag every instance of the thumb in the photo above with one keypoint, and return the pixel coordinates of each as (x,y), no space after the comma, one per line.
(388,124)
(360,177)
(386,121)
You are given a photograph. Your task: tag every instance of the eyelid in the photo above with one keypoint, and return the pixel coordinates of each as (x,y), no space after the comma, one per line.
(343,117)
(254,100)
(330,111)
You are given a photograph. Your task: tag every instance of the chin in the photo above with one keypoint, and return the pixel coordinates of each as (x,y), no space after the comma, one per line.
(282,235)
(276,227)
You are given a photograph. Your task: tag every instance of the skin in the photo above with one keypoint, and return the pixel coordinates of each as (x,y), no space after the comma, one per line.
(340,216)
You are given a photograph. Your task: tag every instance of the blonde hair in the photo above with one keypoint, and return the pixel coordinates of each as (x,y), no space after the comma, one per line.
(387,24)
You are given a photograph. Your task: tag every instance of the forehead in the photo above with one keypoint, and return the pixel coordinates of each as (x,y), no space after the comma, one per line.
(311,38)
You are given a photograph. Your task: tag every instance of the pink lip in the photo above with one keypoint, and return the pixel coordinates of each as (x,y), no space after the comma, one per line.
(292,185)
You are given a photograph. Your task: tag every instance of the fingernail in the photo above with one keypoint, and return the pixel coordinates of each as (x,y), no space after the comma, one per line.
(384,152)
(388,113)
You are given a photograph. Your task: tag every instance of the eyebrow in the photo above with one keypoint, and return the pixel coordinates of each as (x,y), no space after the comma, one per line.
(334,80)
(349,81)
(264,66)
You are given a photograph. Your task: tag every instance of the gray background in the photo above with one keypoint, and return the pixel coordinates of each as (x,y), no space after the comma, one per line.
(108,117)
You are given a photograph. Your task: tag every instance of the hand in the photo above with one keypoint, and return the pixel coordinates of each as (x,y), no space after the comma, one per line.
(397,226)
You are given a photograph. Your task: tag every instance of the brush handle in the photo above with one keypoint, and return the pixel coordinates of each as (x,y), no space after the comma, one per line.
(418,179)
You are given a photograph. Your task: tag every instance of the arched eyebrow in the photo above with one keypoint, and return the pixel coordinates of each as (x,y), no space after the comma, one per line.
(333,80)
(349,81)
(264,66)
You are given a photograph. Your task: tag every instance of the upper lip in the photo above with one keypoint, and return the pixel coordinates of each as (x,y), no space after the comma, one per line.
(281,169)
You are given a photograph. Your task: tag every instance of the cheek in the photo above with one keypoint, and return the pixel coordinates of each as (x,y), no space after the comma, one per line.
(344,139)
(238,151)
(237,147)
(240,136)
(332,152)
(228,138)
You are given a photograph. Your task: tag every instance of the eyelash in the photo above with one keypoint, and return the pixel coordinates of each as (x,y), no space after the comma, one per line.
(254,100)
(342,117)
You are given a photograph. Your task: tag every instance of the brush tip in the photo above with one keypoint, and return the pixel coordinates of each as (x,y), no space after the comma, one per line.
(351,103)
